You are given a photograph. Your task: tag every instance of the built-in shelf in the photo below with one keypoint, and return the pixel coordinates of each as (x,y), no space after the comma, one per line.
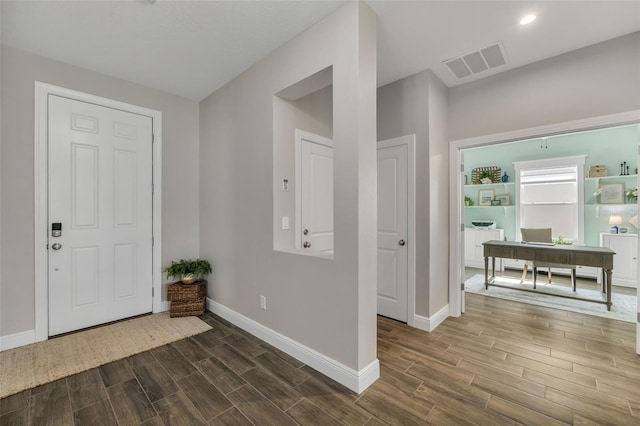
(487,207)
(611,177)
(488,185)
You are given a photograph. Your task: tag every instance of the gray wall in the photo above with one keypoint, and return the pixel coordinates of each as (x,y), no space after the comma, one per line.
(180,170)
(596,80)
(417,105)
(327,305)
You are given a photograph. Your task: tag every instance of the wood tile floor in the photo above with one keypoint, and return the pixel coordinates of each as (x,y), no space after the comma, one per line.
(501,363)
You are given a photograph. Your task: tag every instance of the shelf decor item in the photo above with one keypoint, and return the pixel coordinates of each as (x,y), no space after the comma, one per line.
(632,195)
(468,201)
(597,170)
(505,199)
(611,193)
(485,196)
(489,172)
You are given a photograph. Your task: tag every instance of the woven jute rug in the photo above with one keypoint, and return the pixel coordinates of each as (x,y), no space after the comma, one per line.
(33,365)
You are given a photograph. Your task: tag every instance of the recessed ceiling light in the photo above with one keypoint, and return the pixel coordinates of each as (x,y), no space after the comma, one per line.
(527,19)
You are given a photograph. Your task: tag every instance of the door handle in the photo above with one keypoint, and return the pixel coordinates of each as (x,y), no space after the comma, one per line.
(401,243)
(56,246)
(305,232)
(306,244)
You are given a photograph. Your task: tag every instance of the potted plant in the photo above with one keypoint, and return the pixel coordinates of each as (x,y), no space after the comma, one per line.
(486,176)
(468,201)
(632,195)
(188,271)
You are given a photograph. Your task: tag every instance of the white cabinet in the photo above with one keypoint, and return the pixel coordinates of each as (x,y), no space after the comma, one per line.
(473,250)
(625,261)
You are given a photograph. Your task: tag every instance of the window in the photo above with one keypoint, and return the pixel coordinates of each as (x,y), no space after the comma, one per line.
(550,195)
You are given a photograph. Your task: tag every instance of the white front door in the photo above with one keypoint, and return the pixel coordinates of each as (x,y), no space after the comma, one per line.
(100,194)
(392,229)
(315,232)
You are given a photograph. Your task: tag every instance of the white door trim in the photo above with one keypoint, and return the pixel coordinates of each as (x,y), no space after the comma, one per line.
(410,141)
(455,184)
(40,176)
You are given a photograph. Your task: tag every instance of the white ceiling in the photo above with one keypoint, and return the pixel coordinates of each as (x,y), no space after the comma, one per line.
(192,48)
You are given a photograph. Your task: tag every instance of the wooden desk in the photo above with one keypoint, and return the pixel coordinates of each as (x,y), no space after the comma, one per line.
(601,257)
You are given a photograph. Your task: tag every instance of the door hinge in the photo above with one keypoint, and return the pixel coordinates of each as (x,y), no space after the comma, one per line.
(462,167)
(153,189)
(462,286)
(152,242)
(462,227)
(153,138)
(153,291)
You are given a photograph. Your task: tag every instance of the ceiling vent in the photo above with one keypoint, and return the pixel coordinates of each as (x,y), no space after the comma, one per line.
(477,62)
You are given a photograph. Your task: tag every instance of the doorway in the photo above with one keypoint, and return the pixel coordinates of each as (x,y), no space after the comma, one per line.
(456,230)
(98,210)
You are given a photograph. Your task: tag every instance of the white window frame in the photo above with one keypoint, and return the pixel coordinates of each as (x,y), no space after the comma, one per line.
(577,161)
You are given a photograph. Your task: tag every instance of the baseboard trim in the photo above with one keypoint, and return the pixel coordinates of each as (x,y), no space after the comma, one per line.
(430,323)
(16,340)
(357,381)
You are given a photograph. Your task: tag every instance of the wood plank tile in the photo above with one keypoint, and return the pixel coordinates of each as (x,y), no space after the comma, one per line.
(19,417)
(471,395)
(140,359)
(598,413)
(115,372)
(99,413)
(242,344)
(209,338)
(174,362)
(14,402)
(219,374)
(459,405)
(281,394)
(232,358)
(257,408)
(403,382)
(334,387)
(478,358)
(286,357)
(307,413)
(515,350)
(596,397)
(525,399)
(560,373)
(393,361)
(402,409)
(440,372)
(51,405)
(207,399)
(338,406)
(86,378)
(281,369)
(191,350)
(522,414)
(176,409)
(130,403)
(155,381)
(87,395)
(153,421)
(231,417)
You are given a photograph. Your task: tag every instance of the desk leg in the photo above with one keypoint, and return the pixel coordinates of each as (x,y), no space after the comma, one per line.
(608,289)
(493,266)
(486,273)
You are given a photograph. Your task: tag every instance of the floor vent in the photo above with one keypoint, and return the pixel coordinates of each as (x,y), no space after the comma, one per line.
(473,63)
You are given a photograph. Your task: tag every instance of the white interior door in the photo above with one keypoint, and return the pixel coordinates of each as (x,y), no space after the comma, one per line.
(100,192)
(392,229)
(316,194)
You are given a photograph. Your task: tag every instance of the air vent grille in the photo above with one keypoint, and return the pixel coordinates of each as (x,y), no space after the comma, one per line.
(477,62)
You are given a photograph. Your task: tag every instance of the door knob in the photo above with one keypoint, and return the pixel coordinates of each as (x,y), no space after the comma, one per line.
(306,244)
(305,232)
(401,243)
(56,246)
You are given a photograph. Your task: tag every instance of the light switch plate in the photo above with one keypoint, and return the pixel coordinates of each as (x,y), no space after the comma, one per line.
(285,222)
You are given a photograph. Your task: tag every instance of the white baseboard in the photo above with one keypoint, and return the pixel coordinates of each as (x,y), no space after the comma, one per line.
(16,340)
(430,324)
(357,381)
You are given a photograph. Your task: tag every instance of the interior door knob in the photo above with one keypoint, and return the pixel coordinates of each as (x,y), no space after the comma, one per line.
(306,244)
(305,232)
(56,246)
(401,243)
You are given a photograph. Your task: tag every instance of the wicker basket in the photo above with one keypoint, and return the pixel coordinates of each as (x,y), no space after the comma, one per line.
(186,309)
(178,292)
(494,170)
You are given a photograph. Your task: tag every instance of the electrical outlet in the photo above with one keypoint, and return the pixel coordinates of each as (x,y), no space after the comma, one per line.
(263,302)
